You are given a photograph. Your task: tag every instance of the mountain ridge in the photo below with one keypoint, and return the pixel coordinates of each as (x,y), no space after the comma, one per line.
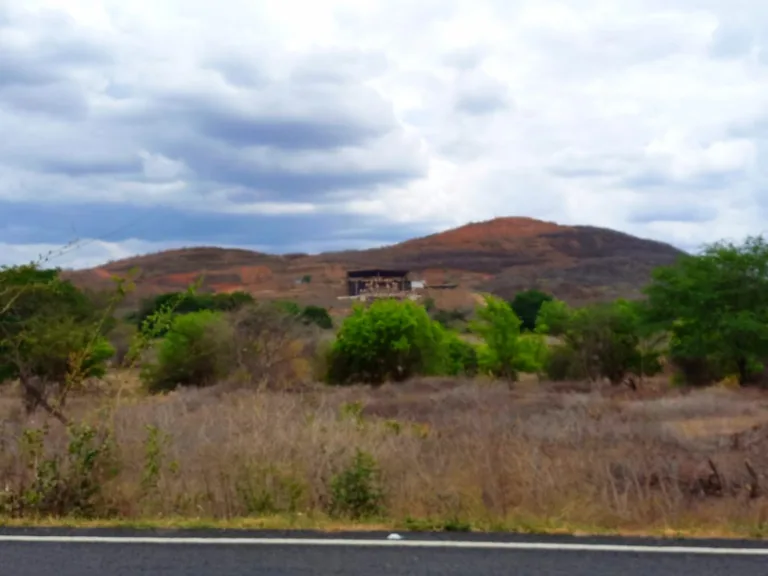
(502,256)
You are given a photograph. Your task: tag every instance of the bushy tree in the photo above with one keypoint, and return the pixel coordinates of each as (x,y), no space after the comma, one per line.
(527,304)
(387,341)
(598,341)
(51,333)
(505,352)
(197,350)
(715,307)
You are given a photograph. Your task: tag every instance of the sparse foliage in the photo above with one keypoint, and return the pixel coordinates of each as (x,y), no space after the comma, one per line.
(51,334)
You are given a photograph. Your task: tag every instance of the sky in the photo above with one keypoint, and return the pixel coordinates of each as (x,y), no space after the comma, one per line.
(313,125)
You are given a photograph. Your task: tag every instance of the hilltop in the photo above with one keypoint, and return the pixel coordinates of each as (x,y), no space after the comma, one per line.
(503,256)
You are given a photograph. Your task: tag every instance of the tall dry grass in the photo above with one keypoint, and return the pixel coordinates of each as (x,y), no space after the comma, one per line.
(453,451)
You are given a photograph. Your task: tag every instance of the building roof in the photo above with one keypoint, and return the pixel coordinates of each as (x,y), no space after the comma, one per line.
(377,272)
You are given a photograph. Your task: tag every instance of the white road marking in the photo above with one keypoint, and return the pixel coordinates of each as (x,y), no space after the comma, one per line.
(444,544)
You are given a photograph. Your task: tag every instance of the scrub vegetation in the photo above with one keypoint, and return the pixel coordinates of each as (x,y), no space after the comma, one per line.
(636,416)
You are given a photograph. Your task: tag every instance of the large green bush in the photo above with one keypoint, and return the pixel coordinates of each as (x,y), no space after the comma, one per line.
(197,350)
(387,341)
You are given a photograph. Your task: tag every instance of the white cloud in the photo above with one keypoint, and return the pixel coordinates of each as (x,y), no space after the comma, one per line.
(618,114)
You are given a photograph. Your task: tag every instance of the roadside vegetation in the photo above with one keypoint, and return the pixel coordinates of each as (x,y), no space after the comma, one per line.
(639,416)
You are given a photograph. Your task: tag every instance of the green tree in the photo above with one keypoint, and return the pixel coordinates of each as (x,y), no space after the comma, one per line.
(715,307)
(603,340)
(387,341)
(505,352)
(51,333)
(197,350)
(527,305)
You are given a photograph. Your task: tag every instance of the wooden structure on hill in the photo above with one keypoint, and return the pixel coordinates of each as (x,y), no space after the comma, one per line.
(377,282)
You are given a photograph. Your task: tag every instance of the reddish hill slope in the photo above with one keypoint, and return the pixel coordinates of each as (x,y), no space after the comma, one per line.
(505,255)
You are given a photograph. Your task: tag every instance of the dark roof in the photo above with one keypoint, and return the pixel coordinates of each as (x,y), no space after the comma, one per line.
(377,272)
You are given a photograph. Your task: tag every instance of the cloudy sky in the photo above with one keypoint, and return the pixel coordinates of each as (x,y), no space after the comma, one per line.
(307,125)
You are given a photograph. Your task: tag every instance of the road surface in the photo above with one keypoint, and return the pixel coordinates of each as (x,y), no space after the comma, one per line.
(39,552)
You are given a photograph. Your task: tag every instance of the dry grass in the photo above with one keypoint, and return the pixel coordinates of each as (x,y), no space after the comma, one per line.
(456,452)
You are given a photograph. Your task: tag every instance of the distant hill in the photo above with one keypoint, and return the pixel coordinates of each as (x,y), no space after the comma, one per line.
(503,256)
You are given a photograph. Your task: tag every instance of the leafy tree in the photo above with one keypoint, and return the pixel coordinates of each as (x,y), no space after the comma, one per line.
(197,350)
(599,341)
(715,307)
(50,333)
(527,305)
(504,352)
(387,341)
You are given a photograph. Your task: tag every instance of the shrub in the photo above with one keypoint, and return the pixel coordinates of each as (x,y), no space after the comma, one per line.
(563,364)
(196,350)
(317,315)
(269,345)
(67,483)
(462,356)
(389,340)
(356,491)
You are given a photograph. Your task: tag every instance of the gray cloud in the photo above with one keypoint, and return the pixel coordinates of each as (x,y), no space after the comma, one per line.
(480,94)
(691,213)
(296,137)
(428,111)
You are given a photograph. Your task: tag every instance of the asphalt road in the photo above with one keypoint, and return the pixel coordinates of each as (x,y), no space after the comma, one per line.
(97,553)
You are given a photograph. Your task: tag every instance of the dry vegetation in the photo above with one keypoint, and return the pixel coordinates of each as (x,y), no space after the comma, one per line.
(451,454)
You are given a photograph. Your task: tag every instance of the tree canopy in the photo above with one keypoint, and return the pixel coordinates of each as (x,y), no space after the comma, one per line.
(715,306)
(527,305)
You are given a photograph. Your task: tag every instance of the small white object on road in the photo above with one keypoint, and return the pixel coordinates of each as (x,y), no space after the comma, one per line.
(394,536)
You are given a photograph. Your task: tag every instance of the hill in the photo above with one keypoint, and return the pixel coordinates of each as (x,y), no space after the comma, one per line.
(503,256)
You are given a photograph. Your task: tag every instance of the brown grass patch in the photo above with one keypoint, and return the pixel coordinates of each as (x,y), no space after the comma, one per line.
(452,451)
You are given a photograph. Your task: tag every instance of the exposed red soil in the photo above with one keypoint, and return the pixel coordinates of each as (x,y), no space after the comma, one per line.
(503,256)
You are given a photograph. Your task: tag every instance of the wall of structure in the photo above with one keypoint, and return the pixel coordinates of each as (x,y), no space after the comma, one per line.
(376,285)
